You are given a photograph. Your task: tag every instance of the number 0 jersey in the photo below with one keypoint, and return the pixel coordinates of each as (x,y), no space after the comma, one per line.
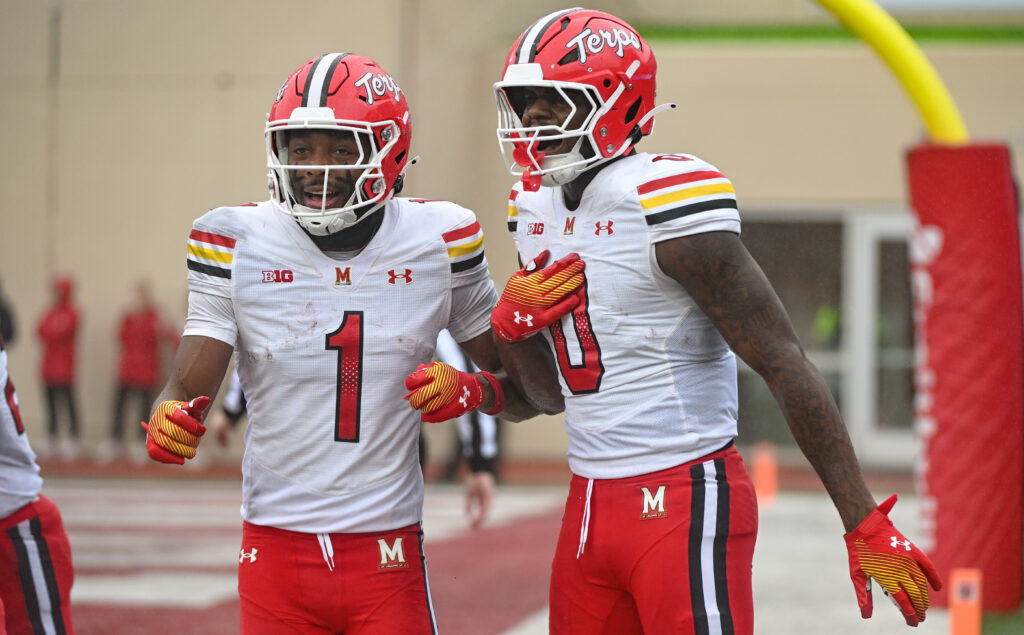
(649,382)
(323,347)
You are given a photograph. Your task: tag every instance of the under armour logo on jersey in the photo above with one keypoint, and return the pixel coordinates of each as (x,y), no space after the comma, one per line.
(534,229)
(654,506)
(895,542)
(393,555)
(243,555)
(606,228)
(394,277)
(519,319)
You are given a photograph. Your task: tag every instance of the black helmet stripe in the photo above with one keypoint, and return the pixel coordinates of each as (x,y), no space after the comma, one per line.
(528,45)
(318,82)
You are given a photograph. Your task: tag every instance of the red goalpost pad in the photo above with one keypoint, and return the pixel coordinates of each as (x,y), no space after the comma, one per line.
(969,366)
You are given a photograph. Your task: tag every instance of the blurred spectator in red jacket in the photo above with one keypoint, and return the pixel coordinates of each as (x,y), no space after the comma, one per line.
(139,370)
(57,330)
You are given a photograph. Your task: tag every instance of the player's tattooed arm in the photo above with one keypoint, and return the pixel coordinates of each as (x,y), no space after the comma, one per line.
(729,286)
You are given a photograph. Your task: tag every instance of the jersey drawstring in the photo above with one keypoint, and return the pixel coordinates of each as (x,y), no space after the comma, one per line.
(327,549)
(585,525)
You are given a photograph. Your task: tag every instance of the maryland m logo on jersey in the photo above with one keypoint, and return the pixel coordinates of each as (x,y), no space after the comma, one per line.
(391,556)
(654,505)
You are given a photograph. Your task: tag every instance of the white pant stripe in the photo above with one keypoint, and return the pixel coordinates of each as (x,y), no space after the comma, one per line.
(35,564)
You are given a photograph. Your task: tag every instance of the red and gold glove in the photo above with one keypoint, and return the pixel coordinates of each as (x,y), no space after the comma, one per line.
(174,430)
(534,298)
(878,550)
(442,392)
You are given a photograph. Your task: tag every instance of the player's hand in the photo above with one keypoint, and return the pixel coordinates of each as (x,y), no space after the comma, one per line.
(174,430)
(536,297)
(222,425)
(442,392)
(479,495)
(879,551)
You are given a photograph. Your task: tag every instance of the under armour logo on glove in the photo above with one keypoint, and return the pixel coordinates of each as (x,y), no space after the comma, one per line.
(534,298)
(904,577)
(523,319)
(442,392)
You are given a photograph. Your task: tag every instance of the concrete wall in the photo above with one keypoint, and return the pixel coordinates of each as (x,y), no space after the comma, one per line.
(152,112)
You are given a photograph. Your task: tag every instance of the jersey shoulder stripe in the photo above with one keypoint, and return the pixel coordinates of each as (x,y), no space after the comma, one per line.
(465,246)
(692,192)
(513,212)
(210,254)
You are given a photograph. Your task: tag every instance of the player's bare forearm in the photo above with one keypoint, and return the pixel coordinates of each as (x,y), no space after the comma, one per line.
(483,350)
(197,370)
(723,279)
(531,366)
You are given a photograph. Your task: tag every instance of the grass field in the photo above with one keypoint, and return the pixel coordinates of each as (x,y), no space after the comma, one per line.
(1003,623)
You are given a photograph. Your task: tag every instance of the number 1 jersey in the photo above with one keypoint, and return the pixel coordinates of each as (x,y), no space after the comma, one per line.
(323,347)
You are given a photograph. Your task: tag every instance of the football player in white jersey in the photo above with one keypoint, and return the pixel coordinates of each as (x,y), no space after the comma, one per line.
(35,556)
(661,518)
(332,292)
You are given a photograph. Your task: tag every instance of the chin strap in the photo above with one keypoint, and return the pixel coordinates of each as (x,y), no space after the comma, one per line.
(634,137)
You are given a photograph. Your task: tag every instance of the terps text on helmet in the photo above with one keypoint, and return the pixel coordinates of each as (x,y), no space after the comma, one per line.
(593,43)
(378,85)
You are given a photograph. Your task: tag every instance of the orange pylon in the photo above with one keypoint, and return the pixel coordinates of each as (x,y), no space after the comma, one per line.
(764,468)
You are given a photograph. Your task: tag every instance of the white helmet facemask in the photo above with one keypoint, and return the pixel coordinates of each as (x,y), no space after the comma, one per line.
(520,145)
(370,191)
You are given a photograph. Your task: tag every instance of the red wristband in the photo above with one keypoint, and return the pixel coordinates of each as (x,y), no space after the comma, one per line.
(499,394)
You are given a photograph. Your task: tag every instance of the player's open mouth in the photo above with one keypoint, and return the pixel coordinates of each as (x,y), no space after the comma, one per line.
(319,198)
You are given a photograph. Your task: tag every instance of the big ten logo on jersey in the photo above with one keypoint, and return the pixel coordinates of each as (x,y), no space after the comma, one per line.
(534,229)
(391,556)
(590,42)
(654,505)
(278,275)
(377,85)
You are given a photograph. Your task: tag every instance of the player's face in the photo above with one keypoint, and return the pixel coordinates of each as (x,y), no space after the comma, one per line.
(317,148)
(545,106)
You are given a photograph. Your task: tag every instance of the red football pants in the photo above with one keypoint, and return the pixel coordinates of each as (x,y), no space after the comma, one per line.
(666,552)
(36,571)
(357,584)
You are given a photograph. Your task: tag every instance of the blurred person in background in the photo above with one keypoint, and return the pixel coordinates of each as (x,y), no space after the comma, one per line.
(8,328)
(58,332)
(139,335)
(475,451)
(332,292)
(36,572)
(661,517)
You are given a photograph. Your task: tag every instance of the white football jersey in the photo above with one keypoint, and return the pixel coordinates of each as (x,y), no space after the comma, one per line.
(323,349)
(20,482)
(648,380)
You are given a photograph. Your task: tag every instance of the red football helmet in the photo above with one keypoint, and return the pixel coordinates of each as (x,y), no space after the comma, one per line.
(340,92)
(594,61)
